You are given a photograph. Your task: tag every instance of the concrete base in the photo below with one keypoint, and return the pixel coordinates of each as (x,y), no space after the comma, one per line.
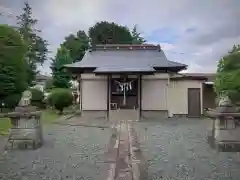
(149,114)
(179,115)
(24,139)
(94,114)
(127,114)
(123,114)
(223,146)
(228,146)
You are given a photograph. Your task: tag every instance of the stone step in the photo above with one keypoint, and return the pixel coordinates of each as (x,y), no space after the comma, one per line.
(123,165)
(129,164)
(123,114)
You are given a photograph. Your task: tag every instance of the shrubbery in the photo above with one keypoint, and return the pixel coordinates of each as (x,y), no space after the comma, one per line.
(227,77)
(13,77)
(12,101)
(60,99)
(37,98)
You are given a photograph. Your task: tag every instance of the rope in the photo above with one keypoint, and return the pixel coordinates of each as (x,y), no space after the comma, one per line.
(125,85)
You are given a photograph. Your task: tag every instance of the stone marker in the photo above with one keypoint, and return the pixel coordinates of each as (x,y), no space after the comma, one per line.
(26,130)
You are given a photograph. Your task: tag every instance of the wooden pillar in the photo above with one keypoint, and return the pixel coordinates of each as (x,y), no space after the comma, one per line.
(167,95)
(108,96)
(139,96)
(80,91)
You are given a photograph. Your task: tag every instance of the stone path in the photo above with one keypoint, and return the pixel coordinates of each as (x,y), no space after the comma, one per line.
(129,163)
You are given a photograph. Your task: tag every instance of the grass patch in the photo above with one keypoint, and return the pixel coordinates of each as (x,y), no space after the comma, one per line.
(49,116)
(5,124)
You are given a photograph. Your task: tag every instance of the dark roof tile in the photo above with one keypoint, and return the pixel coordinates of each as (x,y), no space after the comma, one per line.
(121,57)
(115,47)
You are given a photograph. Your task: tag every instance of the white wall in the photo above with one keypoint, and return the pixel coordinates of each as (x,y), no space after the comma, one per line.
(178,95)
(154,92)
(157,94)
(39,86)
(94,92)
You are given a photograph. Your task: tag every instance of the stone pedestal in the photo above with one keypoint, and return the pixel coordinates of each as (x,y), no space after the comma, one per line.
(225,131)
(26,130)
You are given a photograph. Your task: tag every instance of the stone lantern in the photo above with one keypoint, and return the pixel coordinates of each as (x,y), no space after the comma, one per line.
(26,129)
(225,132)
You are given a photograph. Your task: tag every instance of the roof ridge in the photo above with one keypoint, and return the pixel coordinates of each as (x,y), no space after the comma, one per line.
(125,47)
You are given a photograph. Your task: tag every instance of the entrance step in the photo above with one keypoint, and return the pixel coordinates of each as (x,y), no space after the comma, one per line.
(123,114)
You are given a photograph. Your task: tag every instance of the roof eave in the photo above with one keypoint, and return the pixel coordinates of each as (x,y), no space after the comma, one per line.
(77,70)
(187,77)
(171,69)
(125,72)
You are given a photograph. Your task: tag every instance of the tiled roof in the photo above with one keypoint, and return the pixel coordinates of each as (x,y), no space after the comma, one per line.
(40,77)
(120,58)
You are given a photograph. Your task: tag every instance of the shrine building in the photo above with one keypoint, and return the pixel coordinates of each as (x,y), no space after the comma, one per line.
(114,77)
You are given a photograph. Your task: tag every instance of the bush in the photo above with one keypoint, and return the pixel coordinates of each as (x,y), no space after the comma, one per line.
(37,98)
(12,101)
(60,98)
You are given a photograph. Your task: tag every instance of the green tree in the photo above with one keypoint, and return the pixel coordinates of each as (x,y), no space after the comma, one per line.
(61,78)
(37,97)
(77,45)
(12,63)
(11,101)
(60,98)
(109,33)
(236,48)
(137,38)
(37,46)
(228,75)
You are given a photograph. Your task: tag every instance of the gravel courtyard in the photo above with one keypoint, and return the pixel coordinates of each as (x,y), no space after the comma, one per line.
(173,148)
(69,153)
(178,149)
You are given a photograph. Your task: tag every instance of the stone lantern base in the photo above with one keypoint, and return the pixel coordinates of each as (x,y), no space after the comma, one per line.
(225,129)
(24,139)
(228,146)
(26,131)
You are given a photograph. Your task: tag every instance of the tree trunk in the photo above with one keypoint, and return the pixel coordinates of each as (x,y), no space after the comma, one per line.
(60,111)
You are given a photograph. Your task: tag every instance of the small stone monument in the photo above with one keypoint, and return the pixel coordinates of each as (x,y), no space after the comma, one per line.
(26,130)
(26,98)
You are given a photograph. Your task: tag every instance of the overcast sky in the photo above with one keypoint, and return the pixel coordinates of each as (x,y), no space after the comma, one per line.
(195,32)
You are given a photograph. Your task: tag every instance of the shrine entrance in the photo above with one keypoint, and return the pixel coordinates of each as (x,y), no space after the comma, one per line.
(124,93)
(124,97)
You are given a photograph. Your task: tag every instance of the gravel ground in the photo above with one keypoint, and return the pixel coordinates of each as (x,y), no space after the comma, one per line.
(178,149)
(69,152)
(174,149)
(78,121)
